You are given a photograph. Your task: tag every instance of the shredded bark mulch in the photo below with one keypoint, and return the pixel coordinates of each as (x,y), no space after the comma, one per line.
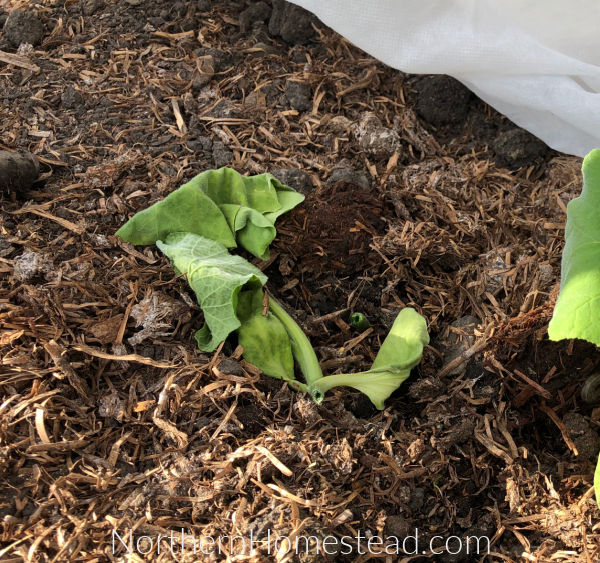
(111,420)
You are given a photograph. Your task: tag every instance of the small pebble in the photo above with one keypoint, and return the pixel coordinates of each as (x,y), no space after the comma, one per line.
(517,147)
(442,100)
(295,178)
(18,171)
(292,23)
(254,13)
(349,176)
(299,95)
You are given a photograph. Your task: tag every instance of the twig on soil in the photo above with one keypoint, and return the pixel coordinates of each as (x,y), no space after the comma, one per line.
(18,61)
(328,316)
(35,210)
(125,358)
(57,353)
(464,357)
(563,429)
(540,390)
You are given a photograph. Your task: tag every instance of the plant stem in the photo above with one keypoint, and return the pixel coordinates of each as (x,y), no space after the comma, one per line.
(301,346)
(377,384)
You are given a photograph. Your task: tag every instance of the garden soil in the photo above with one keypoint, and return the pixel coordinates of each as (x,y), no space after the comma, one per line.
(115,427)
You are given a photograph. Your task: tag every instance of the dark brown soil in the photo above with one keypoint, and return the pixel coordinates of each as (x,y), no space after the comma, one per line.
(112,420)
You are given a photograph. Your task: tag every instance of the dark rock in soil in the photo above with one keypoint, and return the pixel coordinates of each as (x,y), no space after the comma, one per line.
(349,176)
(23,27)
(255,13)
(299,95)
(586,439)
(71,98)
(222,156)
(442,100)
(90,7)
(516,148)
(18,171)
(295,178)
(417,499)
(291,22)
(230,367)
(398,526)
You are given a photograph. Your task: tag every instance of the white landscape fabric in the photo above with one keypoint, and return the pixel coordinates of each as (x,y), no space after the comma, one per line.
(536,61)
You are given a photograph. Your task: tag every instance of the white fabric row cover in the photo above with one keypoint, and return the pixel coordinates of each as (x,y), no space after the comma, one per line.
(537,62)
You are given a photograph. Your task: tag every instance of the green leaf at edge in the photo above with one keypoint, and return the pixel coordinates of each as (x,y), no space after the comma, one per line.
(251,204)
(577,310)
(221,205)
(403,346)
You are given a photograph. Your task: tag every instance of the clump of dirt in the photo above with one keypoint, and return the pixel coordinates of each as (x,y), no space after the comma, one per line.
(346,216)
(517,147)
(441,99)
(292,23)
(23,27)
(18,172)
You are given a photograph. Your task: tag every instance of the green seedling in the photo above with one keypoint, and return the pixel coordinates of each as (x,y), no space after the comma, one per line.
(359,322)
(196,225)
(400,352)
(216,277)
(221,205)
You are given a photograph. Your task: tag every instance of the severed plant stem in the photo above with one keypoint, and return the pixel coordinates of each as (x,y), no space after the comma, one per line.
(302,349)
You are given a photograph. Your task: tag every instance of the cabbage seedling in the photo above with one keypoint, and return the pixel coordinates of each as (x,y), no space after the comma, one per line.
(196,224)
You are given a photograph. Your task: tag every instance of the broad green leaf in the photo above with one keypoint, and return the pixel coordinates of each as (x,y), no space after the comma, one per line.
(250,302)
(401,350)
(577,310)
(377,385)
(225,185)
(251,204)
(267,345)
(216,277)
(253,230)
(221,205)
(186,210)
(265,340)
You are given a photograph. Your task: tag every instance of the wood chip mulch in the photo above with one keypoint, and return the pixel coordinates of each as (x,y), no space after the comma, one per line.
(111,420)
